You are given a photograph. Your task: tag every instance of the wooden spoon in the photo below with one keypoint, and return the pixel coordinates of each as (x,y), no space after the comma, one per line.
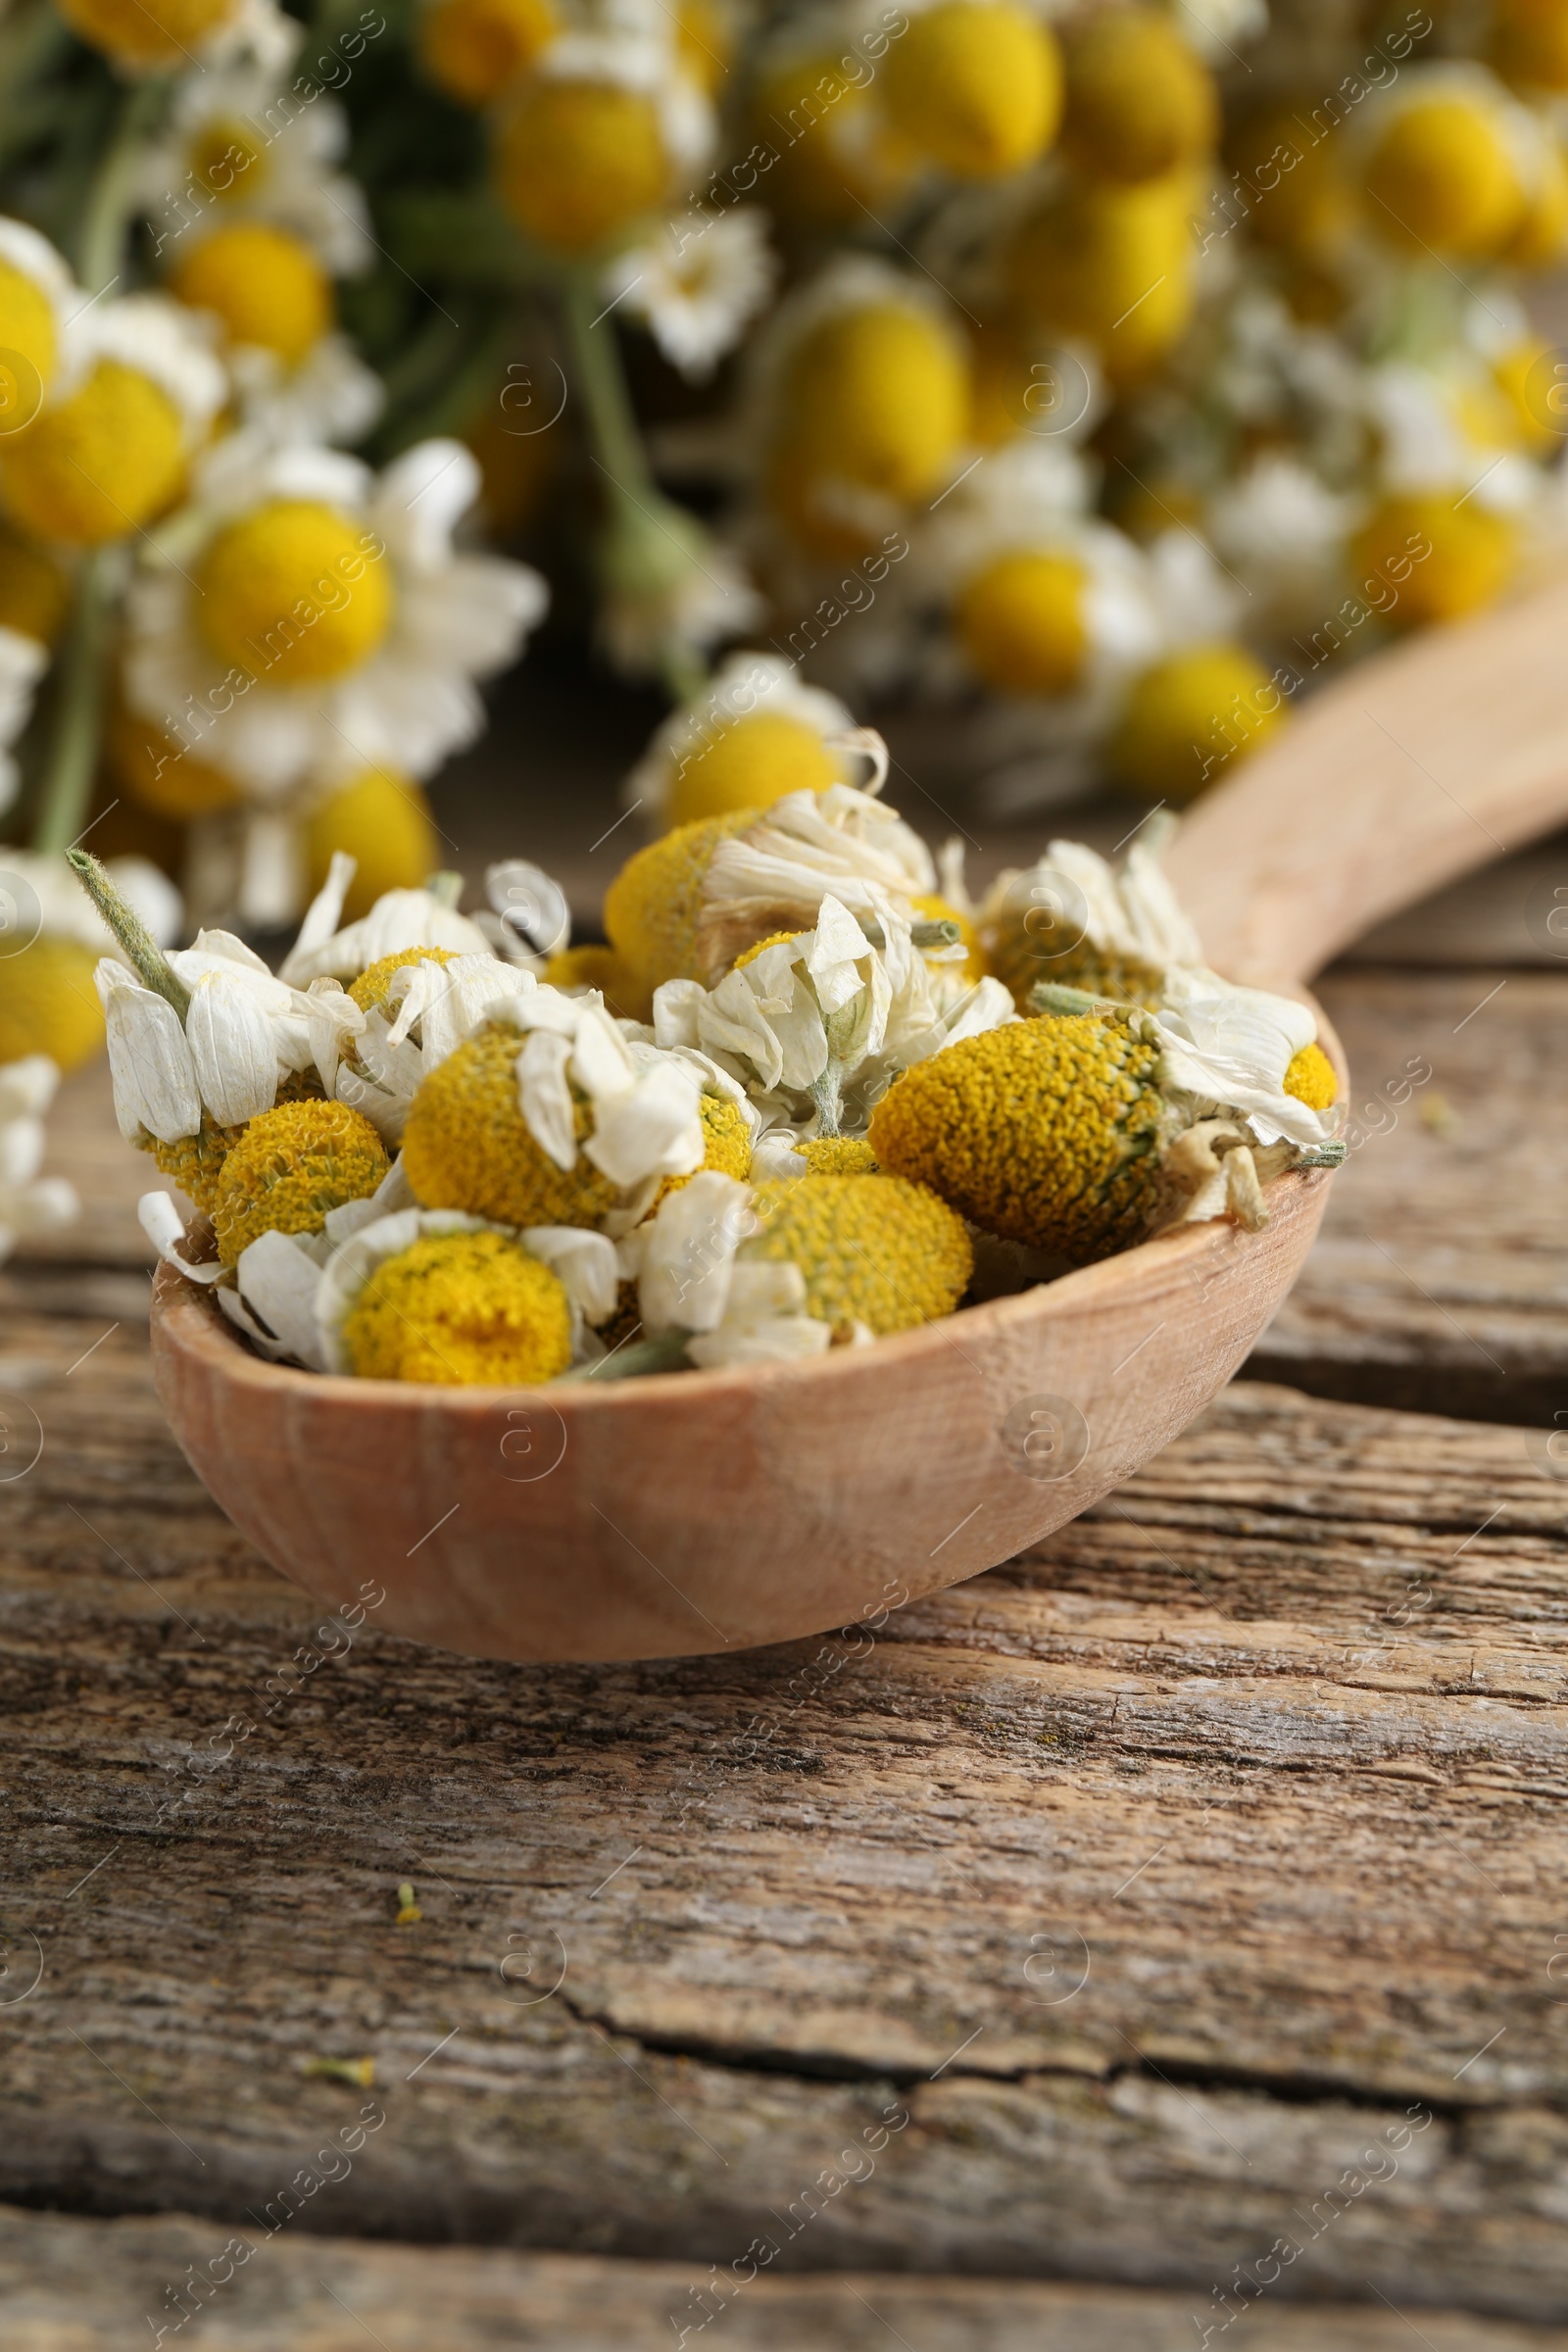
(665,1516)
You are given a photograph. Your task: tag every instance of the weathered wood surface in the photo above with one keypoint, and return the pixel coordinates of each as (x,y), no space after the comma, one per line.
(71,2286)
(1440,1278)
(1156,1879)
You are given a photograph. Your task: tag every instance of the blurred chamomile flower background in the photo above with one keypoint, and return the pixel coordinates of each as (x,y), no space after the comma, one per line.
(1065,390)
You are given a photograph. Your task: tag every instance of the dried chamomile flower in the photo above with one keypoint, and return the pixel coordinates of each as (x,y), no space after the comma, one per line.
(1072,919)
(1083,1131)
(873,1250)
(753,734)
(598,136)
(289,1167)
(461,1310)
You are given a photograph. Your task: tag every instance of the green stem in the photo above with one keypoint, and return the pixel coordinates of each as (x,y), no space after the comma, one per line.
(78,711)
(131,932)
(30,43)
(666,1353)
(611,420)
(101,231)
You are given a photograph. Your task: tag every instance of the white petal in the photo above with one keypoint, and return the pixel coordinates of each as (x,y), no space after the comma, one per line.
(279,1281)
(150,1064)
(600,1062)
(585,1264)
(690,1252)
(653,1128)
(776,1339)
(230,1041)
(545,1097)
(325,911)
(678,1005)
(331,1018)
(163,1226)
(28,1087)
(21,1142)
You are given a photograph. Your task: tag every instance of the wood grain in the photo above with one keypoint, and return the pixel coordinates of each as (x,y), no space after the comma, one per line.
(1273,1743)
(71,2286)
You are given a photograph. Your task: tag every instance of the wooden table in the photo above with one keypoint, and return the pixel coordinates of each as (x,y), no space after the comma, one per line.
(1160,1941)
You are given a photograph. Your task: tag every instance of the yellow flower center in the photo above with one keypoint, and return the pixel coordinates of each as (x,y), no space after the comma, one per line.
(877,396)
(652,906)
(462,1309)
(99,465)
(581,161)
(26,335)
(33,595)
(749,763)
(775,939)
(383,821)
(1115,264)
(294,594)
(160,774)
(228,158)
(1441,176)
(289,1167)
(48,1003)
(575,970)
(1046,1132)
(1188,715)
(1021,622)
(726,1143)
(467,1144)
(147,32)
(1139,102)
(370,988)
(474,49)
(1543,229)
(1311,1078)
(874,1249)
(1470,556)
(1530,42)
(836,150)
(839,1156)
(977,84)
(194,1162)
(267,288)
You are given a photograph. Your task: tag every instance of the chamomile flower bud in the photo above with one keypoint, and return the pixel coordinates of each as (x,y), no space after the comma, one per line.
(1113,264)
(474,49)
(1473,550)
(1082,1131)
(1190,715)
(111,448)
(289,1167)
(598,138)
(1449,165)
(1139,103)
(264,283)
(36,296)
(975,85)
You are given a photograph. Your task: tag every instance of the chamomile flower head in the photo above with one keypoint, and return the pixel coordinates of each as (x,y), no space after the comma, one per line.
(1190,715)
(1140,103)
(1079,1133)
(112,446)
(601,135)
(381,820)
(1530,43)
(1450,162)
(1073,918)
(48,1003)
(207,1038)
(142,36)
(401,920)
(859,404)
(239,147)
(1111,264)
(461,1310)
(689,904)
(323,618)
(475,49)
(875,1251)
(818,110)
(697,285)
(753,734)
(36,300)
(1460,556)
(289,1167)
(30,1203)
(975,86)
(547,1116)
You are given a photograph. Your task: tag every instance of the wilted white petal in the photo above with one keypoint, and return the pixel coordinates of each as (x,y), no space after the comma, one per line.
(544,1096)
(331,1018)
(652,1128)
(459,1000)
(41,1206)
(230,1040)
(20,1150)
(536,1007)
(150,1064)
(600,1062)
(690,1252)
(676,1007)
(776,1158)
(165,1228)
(834,955)
(324,911)
(584,1261)
(393,1192)
(28,1087)
(278,1281)
(772,1339)
(277,1352)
